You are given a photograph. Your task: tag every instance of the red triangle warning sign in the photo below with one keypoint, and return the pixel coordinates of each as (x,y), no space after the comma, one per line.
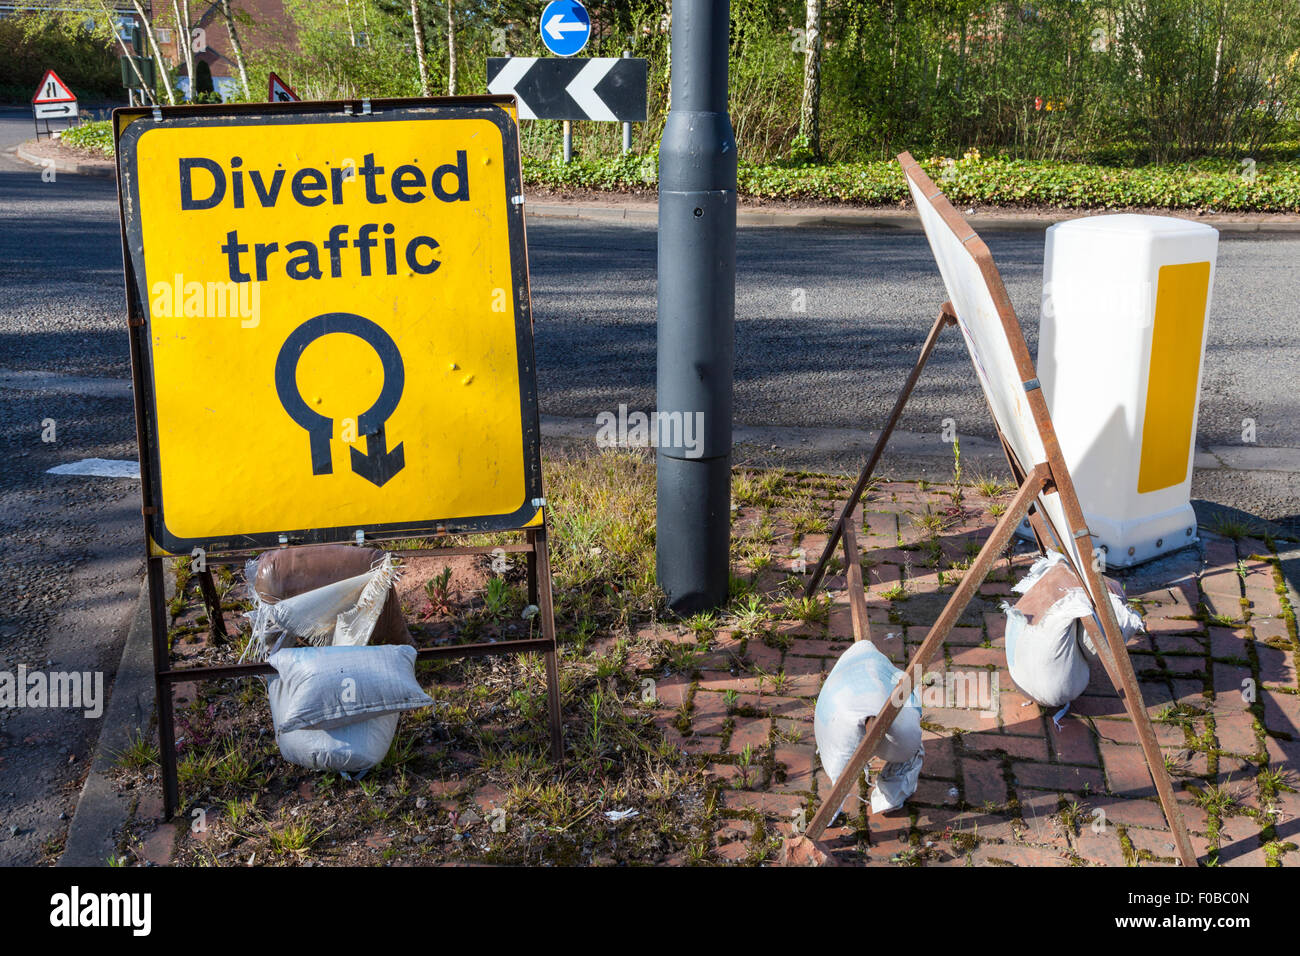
(280,91)
(53,90)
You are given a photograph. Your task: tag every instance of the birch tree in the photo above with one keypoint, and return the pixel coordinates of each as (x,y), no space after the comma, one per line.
(417,27)
(451,50)
(164,74)
(809,106)
(181,10)
(236,47)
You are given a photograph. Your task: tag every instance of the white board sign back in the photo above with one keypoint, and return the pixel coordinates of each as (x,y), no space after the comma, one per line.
(993,337)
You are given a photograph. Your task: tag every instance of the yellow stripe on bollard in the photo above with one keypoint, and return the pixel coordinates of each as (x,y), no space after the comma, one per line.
(1181,294)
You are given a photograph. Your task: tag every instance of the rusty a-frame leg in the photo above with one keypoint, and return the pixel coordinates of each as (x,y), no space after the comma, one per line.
(1115,659)
(1042,535)
(853,577)
(946,317)
(539,588)
(212,603)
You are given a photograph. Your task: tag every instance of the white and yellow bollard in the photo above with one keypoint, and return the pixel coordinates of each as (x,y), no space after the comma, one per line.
(1126,303)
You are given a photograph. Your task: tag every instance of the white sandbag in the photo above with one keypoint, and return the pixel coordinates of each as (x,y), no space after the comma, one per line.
(856,689)
(1046,660)
(1048,652)
(321,688)
(354,748)
(355,625)
(342,613)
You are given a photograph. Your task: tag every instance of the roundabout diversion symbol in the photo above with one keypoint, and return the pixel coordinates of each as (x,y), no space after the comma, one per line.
(377,465)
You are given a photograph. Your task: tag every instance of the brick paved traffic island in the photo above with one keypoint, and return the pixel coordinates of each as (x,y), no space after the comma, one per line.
(1001,784)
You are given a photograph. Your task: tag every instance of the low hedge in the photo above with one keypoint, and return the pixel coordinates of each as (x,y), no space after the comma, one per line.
(1210,185)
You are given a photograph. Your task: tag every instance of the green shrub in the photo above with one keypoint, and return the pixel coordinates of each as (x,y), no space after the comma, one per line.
(36,41)
(93,137)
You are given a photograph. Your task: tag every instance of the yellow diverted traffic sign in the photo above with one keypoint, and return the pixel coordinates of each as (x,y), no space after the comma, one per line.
(337,328)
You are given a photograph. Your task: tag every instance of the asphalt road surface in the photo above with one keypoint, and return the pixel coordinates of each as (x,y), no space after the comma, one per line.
(70,547)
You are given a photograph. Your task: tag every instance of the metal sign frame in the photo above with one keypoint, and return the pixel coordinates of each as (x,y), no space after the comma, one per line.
(530,520)
(1034,481)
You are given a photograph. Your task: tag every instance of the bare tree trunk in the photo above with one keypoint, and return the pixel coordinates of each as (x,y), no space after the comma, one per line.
(809,107)
(1218,51)
(352,34)
(163,73)
(417,26)
(236,47)
(181,9)
(961,57)
(451,50)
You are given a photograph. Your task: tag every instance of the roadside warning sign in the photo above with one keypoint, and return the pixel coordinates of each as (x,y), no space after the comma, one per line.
(52,90)
(52,100)
(337,334)
(279,91)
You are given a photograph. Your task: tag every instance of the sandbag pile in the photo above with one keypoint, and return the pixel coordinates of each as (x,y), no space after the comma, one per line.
(856,689)
(1049,653)
(335,701)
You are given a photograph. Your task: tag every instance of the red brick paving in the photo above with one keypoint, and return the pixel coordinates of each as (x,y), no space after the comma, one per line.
(752,733)
(983,782)
(973,761)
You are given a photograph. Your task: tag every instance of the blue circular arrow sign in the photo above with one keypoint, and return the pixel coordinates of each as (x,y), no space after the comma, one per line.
(566,28)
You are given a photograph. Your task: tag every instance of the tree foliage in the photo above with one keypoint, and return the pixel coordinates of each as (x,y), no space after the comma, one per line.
(76,46)
(1116,81)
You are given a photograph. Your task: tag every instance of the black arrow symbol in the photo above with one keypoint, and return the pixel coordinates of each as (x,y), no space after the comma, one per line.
(46,110)
(545,89)
(377,464)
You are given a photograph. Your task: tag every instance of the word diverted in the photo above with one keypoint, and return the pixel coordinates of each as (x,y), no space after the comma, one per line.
(361,250)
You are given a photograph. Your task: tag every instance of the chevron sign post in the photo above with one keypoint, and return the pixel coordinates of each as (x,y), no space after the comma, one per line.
(612,89)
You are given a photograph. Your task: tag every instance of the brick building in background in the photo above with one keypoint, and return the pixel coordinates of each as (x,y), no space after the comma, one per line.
(259,24)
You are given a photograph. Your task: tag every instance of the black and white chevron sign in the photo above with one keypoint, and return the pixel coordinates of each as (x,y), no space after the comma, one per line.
(572,88)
